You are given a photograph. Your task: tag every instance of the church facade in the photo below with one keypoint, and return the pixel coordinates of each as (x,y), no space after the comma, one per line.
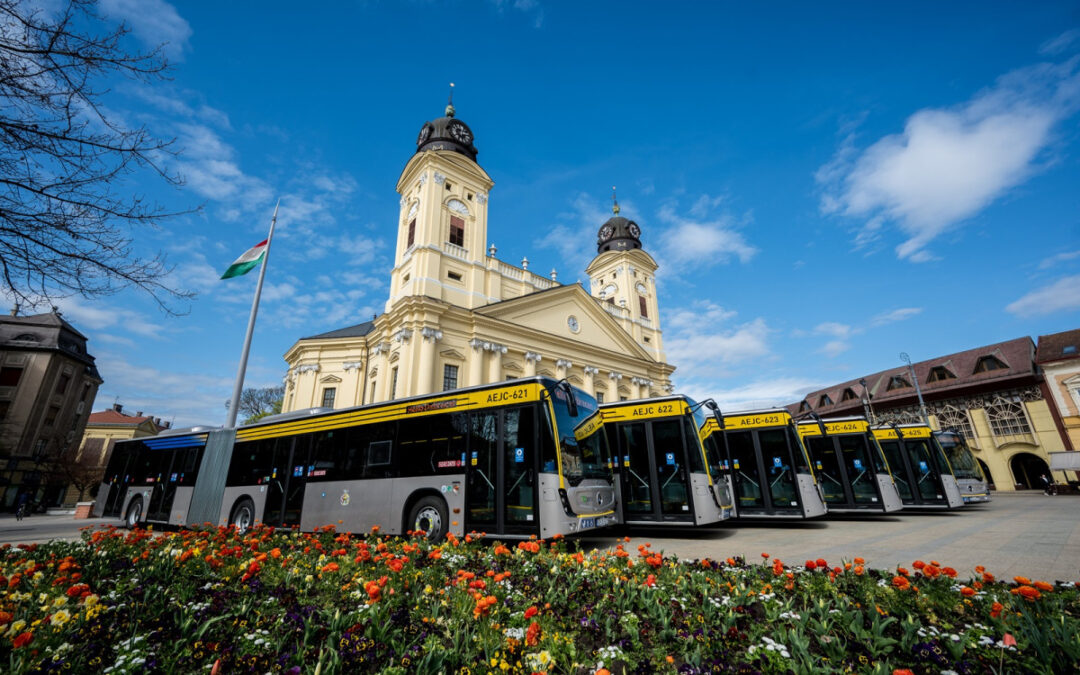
(458,316)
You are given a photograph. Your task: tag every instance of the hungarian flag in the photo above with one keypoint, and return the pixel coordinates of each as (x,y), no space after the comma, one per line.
(247,262)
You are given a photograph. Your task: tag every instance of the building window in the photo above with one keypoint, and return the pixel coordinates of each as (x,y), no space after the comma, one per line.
(328,395)
(824,400)
(449,377)
(50,417)
(9,376)
(4,405)
(453,276)
(951,417)
(622,398)
(848,395)
(85,391)
(393,383)
(897,382)
(599,397)
(939,373)
(804,406)
(62,385)
(987,363)
(412,233)
(1007,418)
(457,231)
(643,306)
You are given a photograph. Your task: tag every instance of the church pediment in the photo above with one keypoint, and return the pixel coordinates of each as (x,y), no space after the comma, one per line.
(330,379)
(452,354)
(562,309)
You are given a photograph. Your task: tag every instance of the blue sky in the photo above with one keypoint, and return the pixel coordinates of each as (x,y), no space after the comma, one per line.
(824,186)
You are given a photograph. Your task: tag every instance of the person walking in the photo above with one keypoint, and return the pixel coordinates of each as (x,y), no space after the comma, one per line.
(1048,485)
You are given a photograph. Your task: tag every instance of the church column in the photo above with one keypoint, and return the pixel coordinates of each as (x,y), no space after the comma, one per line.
(358,384)
(476,363)
(613,386)
(562,368)
(428,338)
(312,368)
(531,359)
(495,364)
(401,388)
(381,355)
(590,380)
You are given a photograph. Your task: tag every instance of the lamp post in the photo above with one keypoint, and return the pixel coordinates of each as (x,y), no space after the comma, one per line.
(867,404)
(918,390)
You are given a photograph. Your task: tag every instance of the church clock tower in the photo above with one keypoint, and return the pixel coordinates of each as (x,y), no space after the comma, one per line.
(623,277)
(442,226)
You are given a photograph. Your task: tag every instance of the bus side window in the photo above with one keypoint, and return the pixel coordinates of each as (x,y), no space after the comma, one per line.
(326,449)
(379,453)
(693,450)
(432,445)
(548,461)
(356,451)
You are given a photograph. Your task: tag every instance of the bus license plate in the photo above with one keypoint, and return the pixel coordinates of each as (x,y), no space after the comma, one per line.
(588,522)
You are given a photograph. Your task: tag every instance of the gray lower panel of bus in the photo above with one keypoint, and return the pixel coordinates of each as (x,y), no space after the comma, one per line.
(890,499)
(812,502)
(177,514)
(594,502)
(99,503)
(972,492)
(706,510)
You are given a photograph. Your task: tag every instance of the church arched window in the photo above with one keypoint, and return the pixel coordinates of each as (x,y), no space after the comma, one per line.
(951,417)
(1007,418)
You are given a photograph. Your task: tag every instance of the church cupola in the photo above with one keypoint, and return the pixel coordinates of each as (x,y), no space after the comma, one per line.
(618,233)
(447,133)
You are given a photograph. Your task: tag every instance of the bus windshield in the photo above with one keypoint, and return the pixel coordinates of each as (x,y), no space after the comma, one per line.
(963,462)
(581,438)
(711,443)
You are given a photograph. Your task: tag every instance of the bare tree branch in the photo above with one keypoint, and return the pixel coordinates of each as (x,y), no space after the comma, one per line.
(67,223)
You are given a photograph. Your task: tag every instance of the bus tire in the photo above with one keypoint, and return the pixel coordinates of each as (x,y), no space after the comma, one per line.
(134,513)
(430,515)
(243,515)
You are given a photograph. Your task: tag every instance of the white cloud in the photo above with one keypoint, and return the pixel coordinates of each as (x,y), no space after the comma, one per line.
(707,351)
(154,22)
(1047,263)
(188,398)
(838,330)
(701,239)
(770,393)
(1060,43)
(834,348)
(100,316)
(895,315)
(948,164)
(1061,296)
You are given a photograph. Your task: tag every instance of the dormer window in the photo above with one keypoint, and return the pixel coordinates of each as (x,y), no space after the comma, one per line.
(824,400)
(848,395)
(939,373)
(987,363)
(457,231)
(897,382)
(804,406)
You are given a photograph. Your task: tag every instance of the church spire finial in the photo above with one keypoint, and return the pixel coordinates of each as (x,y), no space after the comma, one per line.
(614,201)
(450,102)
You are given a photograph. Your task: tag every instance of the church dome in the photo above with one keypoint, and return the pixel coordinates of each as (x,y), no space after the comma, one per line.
(447,133)
(618,234)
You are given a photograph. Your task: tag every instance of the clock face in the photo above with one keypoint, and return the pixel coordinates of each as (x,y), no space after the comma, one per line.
(634,230)
(606,232)
(572,323)
(460,132)
(425,133)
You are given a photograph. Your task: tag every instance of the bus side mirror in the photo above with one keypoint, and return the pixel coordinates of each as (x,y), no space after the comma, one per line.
(571,400)
(717,415)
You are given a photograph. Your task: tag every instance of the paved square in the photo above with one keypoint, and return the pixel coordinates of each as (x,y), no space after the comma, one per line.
(1018,533)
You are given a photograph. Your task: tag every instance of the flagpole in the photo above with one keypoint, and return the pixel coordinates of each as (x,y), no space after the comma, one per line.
(234,405)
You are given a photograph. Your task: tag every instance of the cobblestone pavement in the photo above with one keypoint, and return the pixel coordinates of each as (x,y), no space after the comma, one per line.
(1025,533)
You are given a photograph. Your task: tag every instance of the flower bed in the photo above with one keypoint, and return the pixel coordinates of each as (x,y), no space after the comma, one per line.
(214,600)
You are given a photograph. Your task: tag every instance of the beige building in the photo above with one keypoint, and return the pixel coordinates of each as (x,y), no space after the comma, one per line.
(48,382)
(103,430)
(994,395)
(458,316)
(1059,357)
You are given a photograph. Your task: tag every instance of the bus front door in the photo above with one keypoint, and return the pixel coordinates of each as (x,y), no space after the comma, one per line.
(500,474)
(654,475)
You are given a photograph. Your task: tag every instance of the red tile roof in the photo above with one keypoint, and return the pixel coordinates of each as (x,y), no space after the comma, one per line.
(1052,347)
(1018,355)
(112,417)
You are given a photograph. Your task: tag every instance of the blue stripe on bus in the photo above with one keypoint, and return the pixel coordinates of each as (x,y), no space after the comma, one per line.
(175,442)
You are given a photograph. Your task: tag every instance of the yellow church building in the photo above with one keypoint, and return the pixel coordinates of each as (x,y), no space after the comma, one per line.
(458,316)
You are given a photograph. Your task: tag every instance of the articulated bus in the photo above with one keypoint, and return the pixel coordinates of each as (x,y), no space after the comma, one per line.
(766,465)
(920,469)
(973,486)
(513,459)
(665,475)
(850,467)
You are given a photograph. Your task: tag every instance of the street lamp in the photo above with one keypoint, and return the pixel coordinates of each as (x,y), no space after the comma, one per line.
(918,391)
(867,404)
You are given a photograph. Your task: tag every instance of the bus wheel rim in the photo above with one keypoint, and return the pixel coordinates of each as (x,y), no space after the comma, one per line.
(433,518)
(243,518)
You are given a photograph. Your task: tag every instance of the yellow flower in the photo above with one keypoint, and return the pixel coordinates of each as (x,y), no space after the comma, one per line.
(60,617)
(59,600)
(428,589)
(91,600)
(17,627)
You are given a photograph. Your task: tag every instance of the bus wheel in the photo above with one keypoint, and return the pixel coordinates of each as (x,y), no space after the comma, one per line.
(243,515)
(134,513)
(429,514)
